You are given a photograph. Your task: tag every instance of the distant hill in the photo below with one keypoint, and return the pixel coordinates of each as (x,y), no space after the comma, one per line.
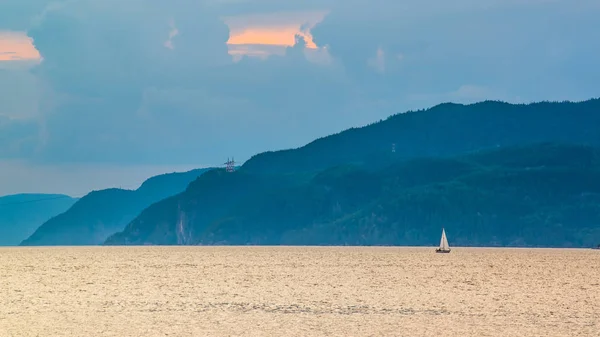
(21,214)
(444,130)
(101,213)
(490,173)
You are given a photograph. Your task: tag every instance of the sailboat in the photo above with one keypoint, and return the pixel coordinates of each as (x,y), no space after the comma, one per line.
(444,248)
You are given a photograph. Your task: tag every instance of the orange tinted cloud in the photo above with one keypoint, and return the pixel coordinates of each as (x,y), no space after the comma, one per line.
(273,29)
(282,36)
(238,50)
(17,47)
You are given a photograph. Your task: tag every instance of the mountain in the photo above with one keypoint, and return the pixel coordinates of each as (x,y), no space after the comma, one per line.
(444,130)
(101,213)
(21,214)
(491,173)
(534,195)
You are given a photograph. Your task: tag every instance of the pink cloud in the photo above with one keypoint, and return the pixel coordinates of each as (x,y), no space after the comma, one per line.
(17,46)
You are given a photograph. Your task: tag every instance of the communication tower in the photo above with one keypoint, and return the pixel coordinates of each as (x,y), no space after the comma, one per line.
(230,165)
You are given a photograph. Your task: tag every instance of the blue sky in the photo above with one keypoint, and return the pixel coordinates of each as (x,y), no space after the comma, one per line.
(101,93)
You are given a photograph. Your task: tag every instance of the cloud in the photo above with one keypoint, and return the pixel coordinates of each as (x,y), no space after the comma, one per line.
(236,110)
(125,97)
(172,34)
(260,7)
(377,62)
(19,94)
(17,46)
(116,48)
(536,48)
(17,137)
(155,82)
(20,15)
(274,28)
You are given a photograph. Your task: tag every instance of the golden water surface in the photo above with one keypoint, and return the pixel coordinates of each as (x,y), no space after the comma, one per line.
(298,291)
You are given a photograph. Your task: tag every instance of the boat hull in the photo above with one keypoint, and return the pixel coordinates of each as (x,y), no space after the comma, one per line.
(442,251)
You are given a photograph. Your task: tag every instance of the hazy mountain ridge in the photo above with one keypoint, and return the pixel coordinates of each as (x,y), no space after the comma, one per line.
(484,174)
(445,130)
(101,213)
(21,214)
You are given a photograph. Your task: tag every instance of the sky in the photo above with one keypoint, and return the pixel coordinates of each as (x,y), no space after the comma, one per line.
(106,93)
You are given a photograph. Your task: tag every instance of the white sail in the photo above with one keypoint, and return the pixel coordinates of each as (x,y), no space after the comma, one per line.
(443,241)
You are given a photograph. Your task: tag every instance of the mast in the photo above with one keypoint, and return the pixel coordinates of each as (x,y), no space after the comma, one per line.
(230,165)
(444,241)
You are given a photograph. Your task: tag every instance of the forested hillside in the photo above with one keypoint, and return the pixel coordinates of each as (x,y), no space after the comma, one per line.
(491,173)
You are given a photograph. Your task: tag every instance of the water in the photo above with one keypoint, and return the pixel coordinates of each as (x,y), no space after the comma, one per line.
(298,291)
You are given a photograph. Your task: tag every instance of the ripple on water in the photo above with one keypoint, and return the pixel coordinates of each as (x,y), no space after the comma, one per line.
(298,291)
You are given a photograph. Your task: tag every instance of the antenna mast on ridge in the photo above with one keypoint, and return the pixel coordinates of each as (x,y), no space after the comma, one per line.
(230,165)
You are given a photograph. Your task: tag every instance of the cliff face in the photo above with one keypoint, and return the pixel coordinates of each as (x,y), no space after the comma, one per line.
(210,197)
(484,173)
(102,213)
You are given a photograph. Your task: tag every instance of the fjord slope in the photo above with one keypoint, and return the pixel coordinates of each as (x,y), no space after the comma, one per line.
(444,130)
(492,173)
(101,213)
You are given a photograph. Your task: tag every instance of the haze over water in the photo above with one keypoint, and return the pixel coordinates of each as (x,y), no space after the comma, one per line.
(298,291)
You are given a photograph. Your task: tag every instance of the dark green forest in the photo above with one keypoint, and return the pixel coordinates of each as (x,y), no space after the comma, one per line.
(491,173)
(445,130)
